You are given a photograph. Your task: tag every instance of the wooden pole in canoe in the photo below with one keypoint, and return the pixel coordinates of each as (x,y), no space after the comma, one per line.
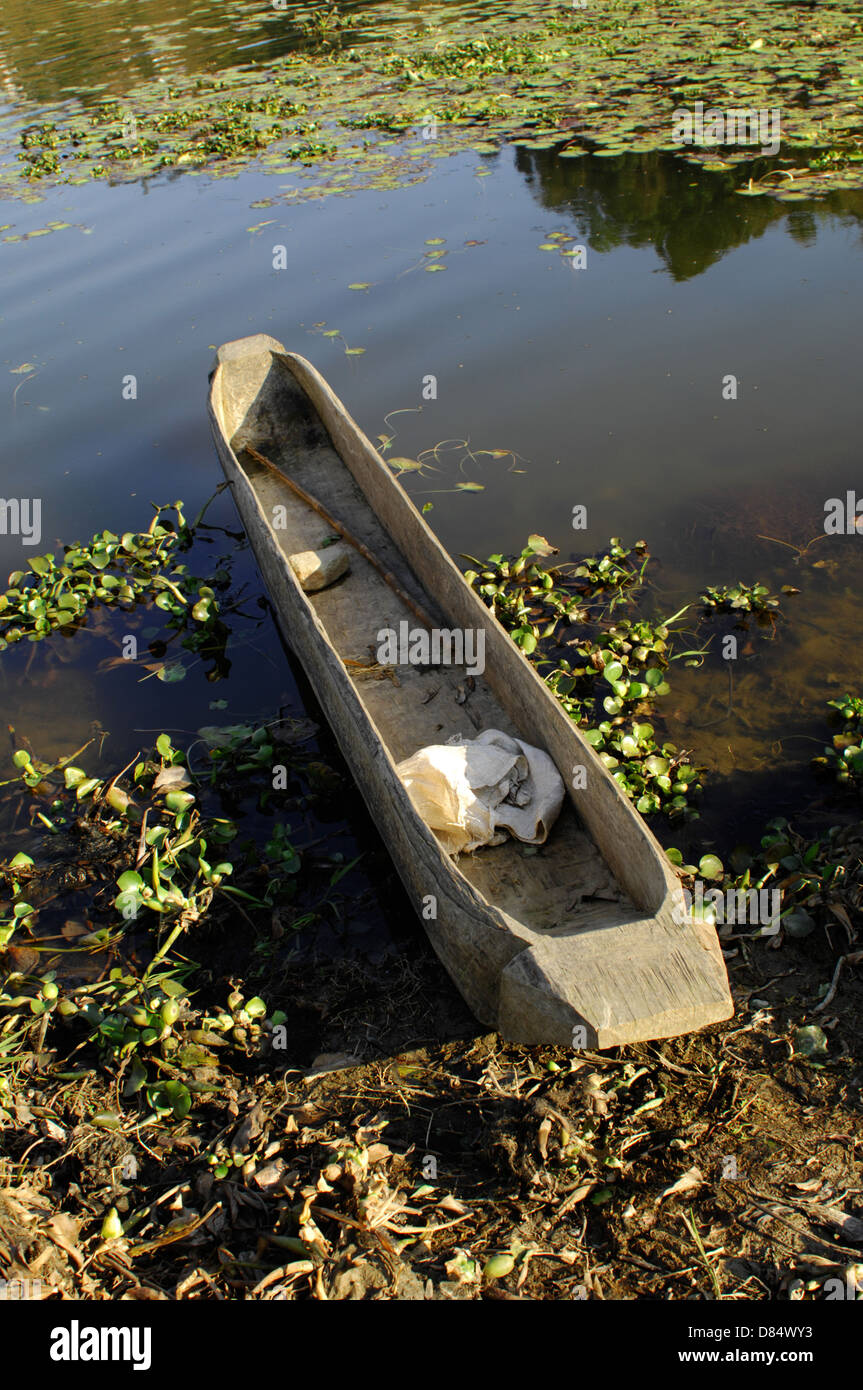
(388,578)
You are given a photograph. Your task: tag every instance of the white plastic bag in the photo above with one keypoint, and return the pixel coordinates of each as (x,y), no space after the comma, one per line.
(472,791)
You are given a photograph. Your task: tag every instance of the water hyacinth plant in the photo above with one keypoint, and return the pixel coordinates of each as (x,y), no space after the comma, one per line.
(741,598)
(121,571)
(845,757)
(815,877)
(615,667)
(523,595)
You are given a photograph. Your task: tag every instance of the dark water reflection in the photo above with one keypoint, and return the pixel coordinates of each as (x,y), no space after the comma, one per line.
(691,222)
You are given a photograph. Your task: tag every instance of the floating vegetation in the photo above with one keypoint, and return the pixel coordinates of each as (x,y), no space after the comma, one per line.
(121,571)
(820,878)
(406,465)
(374,114)
(43,231)
(422,462)
(614,670)
(845,757)
(741,598)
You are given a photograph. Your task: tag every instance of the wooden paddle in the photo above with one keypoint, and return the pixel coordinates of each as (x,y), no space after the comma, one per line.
(389,579)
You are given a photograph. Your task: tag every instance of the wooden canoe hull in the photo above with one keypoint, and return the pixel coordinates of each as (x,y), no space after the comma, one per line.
(596,974)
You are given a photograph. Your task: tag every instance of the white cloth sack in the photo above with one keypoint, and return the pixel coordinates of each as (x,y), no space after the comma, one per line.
(472,791)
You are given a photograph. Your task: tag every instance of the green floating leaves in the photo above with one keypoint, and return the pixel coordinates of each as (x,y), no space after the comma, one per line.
(539,546)
(405,465)
(526,639)
(845,756)
(743,598)
(537,604)
(171,672)
(709,866)
(350,105)
(54,595)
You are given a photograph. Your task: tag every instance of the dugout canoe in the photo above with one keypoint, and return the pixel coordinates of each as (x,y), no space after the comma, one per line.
(577,942)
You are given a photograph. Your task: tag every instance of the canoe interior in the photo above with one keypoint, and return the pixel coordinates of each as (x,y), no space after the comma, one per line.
(561,888)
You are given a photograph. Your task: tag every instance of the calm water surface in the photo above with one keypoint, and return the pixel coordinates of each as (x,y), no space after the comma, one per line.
(604,382)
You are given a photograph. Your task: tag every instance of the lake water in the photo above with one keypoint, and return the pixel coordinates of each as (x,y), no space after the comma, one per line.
(605,382)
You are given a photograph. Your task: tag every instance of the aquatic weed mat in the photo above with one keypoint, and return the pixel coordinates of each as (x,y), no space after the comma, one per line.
(375,94)
(720,1165)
